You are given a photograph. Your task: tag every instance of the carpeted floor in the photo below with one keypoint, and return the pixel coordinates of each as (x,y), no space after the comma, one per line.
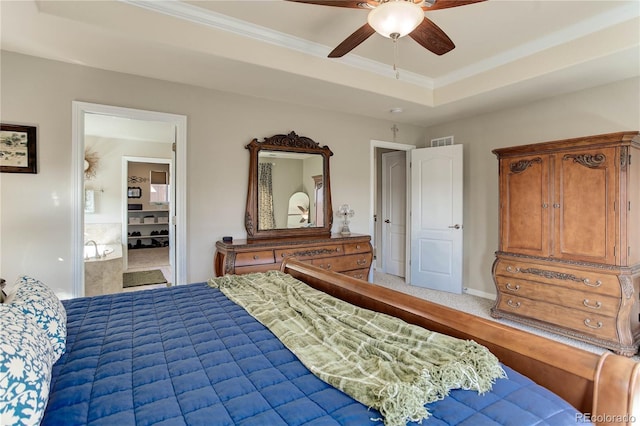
(474,305)
(139,278)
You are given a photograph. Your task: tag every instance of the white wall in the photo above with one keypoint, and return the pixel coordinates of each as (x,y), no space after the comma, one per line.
(610,108)
(36,217)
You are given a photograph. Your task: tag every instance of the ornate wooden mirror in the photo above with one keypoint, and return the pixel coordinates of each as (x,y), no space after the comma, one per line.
(279,167)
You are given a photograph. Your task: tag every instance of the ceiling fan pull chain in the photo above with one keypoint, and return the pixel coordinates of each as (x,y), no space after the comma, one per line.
(395,37)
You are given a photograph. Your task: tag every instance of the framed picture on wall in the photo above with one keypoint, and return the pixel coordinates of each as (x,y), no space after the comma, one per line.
(18,149)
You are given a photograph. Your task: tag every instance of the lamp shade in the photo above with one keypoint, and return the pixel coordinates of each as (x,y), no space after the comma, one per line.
(396,17)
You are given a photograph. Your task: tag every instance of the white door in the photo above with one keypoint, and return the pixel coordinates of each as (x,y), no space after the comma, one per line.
(436,218)
(394,202)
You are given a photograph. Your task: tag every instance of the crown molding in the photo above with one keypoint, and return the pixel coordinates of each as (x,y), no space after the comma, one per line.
(188,12)
(581,29)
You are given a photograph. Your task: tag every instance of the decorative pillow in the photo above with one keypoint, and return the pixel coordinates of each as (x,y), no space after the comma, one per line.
(40,302)
(26,358)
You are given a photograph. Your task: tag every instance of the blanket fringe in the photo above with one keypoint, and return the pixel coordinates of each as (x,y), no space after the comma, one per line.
(476,369)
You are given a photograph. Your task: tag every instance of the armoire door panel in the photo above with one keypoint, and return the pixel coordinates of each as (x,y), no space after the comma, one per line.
(584,206)
(525,210)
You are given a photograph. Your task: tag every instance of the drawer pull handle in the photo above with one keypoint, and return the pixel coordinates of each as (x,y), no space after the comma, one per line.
(596,305)
(586,281)
(359,276)
(256,257)
(512,288)
(357,246)
(512,269)
(513,305)
(361,261)
(587,322)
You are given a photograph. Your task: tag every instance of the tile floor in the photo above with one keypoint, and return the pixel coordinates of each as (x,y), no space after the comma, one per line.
(147,259)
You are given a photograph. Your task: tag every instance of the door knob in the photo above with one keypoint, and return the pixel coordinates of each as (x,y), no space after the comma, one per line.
(387,221)
(456,226)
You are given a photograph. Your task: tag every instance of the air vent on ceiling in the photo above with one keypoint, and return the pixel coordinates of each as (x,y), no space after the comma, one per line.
(447,140)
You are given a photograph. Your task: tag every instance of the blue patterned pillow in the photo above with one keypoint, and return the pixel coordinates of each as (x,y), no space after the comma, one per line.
(42,304)
(26,358)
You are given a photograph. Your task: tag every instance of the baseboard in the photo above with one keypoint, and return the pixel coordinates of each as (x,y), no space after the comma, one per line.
(478,293)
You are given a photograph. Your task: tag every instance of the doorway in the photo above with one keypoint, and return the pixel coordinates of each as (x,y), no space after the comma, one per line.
(147,197)
(377,149)
(176,218)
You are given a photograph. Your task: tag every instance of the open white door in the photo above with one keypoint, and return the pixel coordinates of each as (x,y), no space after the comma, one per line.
(436,218)
(394,208)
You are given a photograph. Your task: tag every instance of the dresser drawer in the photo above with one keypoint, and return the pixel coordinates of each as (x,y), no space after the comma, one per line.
(577,279)
(344,263)
(557,316)
(351,248)
(585,301)
(361,274)
(310,252)
(254,258)
(256,268)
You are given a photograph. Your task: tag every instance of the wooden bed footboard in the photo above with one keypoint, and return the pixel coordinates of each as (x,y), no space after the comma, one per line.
(606,389)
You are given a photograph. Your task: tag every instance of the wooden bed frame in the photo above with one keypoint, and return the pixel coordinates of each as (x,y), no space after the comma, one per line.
(606,388)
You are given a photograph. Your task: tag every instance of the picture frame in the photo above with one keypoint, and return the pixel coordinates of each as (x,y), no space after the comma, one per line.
(18,152)
(134,192)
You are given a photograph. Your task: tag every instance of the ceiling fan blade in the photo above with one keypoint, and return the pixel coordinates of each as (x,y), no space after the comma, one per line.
(351,42)
(337,3)
(446,4)
(431,37)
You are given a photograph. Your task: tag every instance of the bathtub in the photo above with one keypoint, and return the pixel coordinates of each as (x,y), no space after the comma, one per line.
(103,275)
(106,251)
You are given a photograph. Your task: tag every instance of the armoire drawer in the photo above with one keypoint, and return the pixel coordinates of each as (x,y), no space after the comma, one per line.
(557,316)
(561,275)
(344,263)
(569,298)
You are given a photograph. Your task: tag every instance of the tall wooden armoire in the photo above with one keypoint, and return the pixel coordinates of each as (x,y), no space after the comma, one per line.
(569,254)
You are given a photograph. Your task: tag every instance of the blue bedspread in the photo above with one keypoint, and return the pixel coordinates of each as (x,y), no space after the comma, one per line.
(187,355)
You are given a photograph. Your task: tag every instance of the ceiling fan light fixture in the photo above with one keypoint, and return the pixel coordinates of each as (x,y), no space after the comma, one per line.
(396,18)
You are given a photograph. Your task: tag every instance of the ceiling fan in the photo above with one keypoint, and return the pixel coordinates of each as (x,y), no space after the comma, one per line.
(394,19)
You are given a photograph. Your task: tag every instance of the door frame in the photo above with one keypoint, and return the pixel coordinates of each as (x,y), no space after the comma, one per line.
(373,144)
(79,109)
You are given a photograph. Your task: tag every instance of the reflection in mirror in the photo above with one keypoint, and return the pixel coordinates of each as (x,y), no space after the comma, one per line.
(281,174)
(298,216)
(280,166)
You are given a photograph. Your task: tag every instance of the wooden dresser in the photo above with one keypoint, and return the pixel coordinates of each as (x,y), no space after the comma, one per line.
(350,255)
(569,254)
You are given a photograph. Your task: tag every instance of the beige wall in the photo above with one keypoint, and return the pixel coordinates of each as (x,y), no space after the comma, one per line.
(36,217)
(35,210)
(611,108)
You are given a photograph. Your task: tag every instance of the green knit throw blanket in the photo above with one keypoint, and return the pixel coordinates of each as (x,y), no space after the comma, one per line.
(379,360)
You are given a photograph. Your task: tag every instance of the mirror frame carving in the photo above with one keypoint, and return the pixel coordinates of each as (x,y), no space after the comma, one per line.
(286,143)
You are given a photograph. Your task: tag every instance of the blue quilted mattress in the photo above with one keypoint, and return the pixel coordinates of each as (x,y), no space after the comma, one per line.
(187,355)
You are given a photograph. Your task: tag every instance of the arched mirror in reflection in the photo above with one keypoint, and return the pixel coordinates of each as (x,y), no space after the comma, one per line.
(280,166)
(298,215)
